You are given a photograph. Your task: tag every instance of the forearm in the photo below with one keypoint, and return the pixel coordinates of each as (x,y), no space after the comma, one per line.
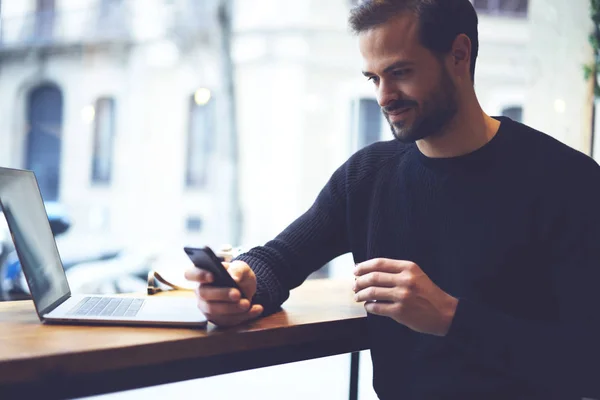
(311,241)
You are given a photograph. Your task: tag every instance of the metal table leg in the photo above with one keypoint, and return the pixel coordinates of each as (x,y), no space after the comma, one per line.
(354,360)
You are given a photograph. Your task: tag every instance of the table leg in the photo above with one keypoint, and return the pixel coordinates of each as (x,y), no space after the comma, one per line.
(354,359)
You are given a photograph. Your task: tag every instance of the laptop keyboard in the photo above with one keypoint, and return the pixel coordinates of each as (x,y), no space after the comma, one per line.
(107,307)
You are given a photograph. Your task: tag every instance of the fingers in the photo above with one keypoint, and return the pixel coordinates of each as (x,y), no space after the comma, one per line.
(382,265)
(223,309)
(198,275)
(380,279)
(225,295)
(221,301)
(226,306)
(383,309)
(232,320)
(389,295)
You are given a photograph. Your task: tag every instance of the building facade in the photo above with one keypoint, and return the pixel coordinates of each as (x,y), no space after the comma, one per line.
(114,104)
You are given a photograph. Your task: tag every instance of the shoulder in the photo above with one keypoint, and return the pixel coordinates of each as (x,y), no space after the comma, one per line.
(376,157)
(363,166)
(549,153)
(560,167)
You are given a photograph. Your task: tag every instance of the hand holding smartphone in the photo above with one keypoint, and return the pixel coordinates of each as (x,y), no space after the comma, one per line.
(221,305)
(205,259)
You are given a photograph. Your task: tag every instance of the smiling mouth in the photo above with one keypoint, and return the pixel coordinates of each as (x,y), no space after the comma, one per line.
(400,111)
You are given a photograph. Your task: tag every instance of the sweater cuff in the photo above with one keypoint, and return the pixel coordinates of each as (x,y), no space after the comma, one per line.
(461,329)
(480,333)
(269,292)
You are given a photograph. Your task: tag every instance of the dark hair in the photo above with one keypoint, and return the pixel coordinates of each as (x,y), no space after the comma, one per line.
(440,21)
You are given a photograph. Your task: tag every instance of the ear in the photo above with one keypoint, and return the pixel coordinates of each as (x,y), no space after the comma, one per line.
(461,55)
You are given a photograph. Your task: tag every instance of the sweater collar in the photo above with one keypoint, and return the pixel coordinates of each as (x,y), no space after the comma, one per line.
(476,159)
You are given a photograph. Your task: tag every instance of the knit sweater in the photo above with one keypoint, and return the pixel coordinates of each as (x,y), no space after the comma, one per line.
(512,230)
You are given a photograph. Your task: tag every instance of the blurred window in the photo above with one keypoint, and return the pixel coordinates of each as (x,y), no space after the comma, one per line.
(44,21)
(193,224)
(513,8)
(200,141)
(515,113)
(44,137)
(108,7)
(104,135)
(111,19)
(368,122)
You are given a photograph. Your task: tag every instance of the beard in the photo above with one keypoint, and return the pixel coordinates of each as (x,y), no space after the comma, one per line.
(430,118)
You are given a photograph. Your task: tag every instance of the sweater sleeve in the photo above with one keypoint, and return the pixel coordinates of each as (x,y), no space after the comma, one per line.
(562,358)
(312,240)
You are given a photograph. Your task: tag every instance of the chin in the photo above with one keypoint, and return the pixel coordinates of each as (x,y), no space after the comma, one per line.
(406,134)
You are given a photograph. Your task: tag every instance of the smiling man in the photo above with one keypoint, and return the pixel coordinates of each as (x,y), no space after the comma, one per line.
(477,239)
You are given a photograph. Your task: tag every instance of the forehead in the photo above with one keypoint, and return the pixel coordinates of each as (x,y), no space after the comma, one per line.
(395,40)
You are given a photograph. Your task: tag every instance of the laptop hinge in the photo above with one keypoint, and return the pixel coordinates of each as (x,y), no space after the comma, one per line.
(54,305)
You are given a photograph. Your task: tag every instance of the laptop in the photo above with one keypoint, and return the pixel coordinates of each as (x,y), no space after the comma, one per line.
(23,208)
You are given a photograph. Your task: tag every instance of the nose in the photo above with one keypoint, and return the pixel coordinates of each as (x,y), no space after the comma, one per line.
(387,93)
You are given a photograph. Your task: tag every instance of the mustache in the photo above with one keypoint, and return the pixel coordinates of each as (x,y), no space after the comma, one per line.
(398,105)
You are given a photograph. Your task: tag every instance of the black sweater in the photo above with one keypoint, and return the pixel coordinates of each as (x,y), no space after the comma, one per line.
(512,230)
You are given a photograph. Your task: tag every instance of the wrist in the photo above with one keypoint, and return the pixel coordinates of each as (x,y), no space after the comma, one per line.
(448,312)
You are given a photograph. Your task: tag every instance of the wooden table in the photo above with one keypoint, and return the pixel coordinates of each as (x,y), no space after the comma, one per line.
(320,319)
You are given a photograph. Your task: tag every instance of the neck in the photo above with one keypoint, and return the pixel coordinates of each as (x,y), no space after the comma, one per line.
(469,130)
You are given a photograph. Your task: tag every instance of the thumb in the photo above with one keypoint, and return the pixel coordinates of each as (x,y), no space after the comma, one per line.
(244,277)
(239,270)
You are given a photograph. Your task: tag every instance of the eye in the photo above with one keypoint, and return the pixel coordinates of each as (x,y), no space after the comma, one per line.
(401,72)
(374,79)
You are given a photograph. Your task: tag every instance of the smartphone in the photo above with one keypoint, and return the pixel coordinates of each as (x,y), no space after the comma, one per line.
(204,258)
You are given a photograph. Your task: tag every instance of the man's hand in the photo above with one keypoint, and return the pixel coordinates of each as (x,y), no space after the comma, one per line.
(401,290)
(225,306)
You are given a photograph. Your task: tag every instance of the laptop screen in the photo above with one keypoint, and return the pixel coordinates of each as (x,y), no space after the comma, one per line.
(26,216)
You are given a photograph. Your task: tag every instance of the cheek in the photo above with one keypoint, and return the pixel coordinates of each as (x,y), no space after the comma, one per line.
(426,94)
(415,89)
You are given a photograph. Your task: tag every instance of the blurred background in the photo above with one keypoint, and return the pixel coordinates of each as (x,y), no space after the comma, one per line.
(153,124)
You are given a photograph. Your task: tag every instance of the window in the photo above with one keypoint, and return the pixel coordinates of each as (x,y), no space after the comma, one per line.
(44,137)
(200,141)
(111,19)
(104,135)
(515,113)
(516,8)
(368,122)
(110,6)
(44,22)
(193,224)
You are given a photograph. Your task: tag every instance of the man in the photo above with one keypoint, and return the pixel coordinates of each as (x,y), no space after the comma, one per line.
(477,239)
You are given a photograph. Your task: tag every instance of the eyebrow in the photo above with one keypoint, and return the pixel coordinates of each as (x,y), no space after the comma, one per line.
(396,65)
